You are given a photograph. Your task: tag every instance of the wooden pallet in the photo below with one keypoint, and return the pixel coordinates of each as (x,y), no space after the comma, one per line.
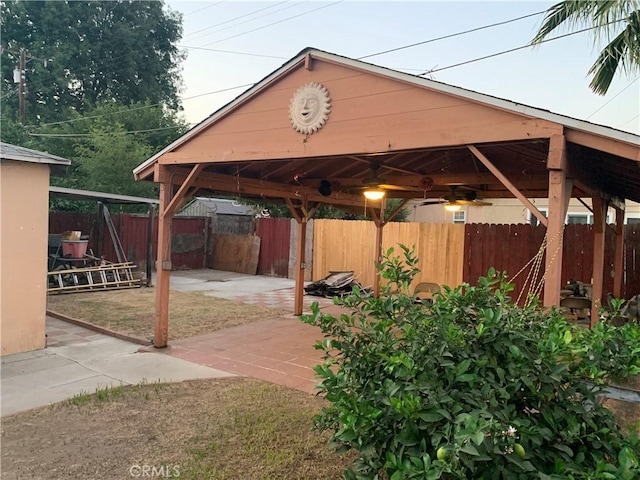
(103,277)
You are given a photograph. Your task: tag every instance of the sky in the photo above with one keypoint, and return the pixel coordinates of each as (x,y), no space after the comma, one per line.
(235,43)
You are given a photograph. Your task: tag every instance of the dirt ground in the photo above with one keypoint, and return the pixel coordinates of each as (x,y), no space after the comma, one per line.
(235,428)
(132,311)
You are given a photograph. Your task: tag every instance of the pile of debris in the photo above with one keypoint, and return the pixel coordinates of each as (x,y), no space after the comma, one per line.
(336,284)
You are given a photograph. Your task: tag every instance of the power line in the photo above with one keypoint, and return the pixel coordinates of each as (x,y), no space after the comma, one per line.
(273,23)
(139,108)
(84,135)
(630,120)
(235,18)
(452,35)
(235,53)
(249,20)
(248,85)
(515,49)
(203,8)
(612,98)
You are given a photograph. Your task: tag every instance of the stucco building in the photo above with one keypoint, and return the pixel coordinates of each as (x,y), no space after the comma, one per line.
(24,211)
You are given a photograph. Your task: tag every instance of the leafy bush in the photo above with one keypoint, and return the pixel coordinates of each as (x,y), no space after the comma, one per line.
(469,386)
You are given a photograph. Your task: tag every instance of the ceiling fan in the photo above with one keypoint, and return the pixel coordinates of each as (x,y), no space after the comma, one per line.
(372,184)
(453,202)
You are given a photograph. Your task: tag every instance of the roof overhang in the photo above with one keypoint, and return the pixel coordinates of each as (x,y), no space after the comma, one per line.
(58,165)
(75,194)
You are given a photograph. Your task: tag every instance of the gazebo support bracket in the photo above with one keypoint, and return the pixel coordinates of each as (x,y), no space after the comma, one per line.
(510,186)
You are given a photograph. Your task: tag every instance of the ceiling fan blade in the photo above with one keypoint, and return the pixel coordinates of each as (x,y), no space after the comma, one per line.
(433,202)
(474,203)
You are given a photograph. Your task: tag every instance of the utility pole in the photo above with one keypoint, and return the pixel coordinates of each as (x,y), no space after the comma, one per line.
(22,90)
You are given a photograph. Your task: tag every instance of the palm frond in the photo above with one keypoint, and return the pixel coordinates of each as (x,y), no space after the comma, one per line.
(607,64)
(566,14)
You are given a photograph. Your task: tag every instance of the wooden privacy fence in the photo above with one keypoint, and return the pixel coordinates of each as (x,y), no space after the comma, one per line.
(449,254)
(350,245)
(509,248)
(189,237)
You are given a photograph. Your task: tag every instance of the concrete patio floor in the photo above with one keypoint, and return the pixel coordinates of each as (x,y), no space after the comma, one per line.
(278,350)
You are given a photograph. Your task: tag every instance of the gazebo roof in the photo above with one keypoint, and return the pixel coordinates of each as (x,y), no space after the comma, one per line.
(406,130)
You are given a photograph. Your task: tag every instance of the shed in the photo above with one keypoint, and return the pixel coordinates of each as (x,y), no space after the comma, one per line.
(207,207)
(24,200)
(324,128)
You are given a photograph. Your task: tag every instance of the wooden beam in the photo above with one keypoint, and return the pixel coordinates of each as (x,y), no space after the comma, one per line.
(599,221)
(163,270)
(380,223)
(618,258)
(234,147)
(300,267)
(294,211)
(558,204)
(415,181)
(263,188)
(510,186)
(185,185)
(560,188)
(603,144)
(557,158)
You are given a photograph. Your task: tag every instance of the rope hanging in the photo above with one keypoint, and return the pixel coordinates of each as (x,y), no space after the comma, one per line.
(534,283)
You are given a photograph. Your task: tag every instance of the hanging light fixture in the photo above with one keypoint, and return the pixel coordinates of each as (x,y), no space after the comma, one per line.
(452,207)
(374,194)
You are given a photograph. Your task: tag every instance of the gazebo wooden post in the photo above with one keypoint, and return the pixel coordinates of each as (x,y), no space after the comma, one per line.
(618,259)
(599,227)
(300,265)
(163,268)
(302,214)
(169,203)
(559,195)
(380,223)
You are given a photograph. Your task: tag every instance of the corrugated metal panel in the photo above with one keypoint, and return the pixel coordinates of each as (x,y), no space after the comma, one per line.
(274,236)
(203,207)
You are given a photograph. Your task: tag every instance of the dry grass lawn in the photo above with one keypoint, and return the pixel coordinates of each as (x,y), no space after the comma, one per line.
(224,429)
(131,311)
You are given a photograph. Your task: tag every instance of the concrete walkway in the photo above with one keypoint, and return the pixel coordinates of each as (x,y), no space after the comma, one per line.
(78,360)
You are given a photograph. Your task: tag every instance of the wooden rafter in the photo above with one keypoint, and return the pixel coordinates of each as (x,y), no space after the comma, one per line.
(510,186)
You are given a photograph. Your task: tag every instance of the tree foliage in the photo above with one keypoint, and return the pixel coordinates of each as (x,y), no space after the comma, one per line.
(617,22)
(82,53)
(104,152)
(470,385)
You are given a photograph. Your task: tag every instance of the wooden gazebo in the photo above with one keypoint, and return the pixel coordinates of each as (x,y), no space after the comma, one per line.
(323,128)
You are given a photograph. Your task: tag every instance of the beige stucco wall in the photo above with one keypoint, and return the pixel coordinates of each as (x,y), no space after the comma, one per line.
(24,210)
(504,210)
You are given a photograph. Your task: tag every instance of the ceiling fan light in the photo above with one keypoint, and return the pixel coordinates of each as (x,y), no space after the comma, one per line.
(374,194)
(452,207)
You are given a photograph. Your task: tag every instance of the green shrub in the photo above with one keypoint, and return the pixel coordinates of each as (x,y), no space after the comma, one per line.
(469,386)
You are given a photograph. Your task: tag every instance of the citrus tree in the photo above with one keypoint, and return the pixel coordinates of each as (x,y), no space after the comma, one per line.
(468,386)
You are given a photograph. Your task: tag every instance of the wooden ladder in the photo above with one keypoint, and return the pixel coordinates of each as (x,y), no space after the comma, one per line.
(103,277)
